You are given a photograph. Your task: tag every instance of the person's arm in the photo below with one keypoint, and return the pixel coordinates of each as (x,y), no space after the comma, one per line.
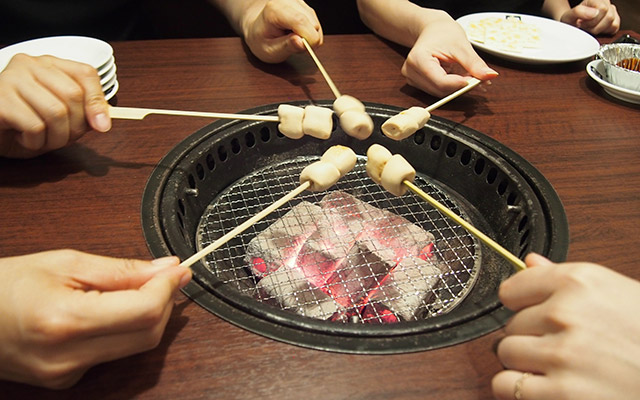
(273,29)
(594,16)
(576,331)
(62,312)
(441,57)
(47,103)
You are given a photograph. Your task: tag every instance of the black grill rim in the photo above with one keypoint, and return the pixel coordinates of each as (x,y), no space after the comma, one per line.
(440,331)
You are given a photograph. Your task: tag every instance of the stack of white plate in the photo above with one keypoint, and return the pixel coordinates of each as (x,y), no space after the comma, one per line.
(87,50)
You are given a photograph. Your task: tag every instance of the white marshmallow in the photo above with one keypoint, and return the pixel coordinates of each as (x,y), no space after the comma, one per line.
(406,123)
(347,103)
(396,171)
(357,124)
(377,157)
(317,122)
(290,121)
(341,157)
(321,174)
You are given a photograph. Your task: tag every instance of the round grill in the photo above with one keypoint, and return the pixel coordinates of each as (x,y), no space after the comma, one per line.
(230,170)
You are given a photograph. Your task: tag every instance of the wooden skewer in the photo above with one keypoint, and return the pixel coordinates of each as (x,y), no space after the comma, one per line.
(327,78)
(471,83)
(140,113)
(518,263)
(242,227)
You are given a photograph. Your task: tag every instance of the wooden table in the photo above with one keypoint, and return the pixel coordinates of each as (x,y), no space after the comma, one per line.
(88,197)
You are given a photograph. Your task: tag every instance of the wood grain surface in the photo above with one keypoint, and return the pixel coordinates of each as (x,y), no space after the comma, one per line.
(88,197)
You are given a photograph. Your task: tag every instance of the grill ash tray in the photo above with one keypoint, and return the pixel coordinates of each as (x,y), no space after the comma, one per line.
(358,301)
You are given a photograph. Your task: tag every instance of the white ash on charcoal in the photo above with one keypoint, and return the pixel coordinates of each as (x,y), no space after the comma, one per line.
(326,247)
(405,292)
(289,287)
(282,240)
(342,258)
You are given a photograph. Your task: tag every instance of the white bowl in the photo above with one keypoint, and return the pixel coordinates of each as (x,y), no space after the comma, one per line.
(611,55)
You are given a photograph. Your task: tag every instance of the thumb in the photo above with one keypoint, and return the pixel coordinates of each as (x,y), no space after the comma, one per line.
(92,272)
(534,259)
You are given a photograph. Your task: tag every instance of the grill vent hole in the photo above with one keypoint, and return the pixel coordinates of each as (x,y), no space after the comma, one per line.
(502,187)
(436,142)
(235,146)
(524,237)
(419,137)
(222,153)
(181,208)
(265,134)
(492,175)
(479,167)
(180,221)
(200,171)
(249,139)
(523,223)
(451,149)
(512,199)
(211,163)
(465,159)
(192,181)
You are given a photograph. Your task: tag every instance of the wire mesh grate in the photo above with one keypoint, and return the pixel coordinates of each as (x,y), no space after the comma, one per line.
(359,271)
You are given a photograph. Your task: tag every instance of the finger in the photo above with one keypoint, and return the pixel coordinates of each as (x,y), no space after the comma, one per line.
(529,287)
(301,20)
(533,320)
(531,387)
(16,114)
(473,64)
(426,73)
(523,353)
(94,108)
(101,313)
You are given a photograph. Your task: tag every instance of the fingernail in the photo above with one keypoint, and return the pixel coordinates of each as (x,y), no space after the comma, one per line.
(165,262)
(490,71)
(103,122)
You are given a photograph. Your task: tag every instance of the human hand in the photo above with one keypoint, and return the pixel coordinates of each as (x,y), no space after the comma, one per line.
(576,330)
(63,311)
(442,59)
(274,31)
(594,16)
(47,103)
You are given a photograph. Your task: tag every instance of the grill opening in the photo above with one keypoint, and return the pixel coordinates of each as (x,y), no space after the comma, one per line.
(230,170)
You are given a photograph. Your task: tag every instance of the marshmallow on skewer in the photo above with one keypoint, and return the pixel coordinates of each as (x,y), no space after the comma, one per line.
(317,122)
(406,123)
(354,120)
(377,157)
(342,157)
(335,163)
(395,172)
(290,121)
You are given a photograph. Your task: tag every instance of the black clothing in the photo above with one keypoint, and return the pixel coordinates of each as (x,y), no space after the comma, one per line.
(458,8)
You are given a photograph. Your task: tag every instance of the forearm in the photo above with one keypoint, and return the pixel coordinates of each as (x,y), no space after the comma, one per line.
(399,20)
(555,8)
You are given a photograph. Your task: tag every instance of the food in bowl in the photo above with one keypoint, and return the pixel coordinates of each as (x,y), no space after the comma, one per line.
(620,68)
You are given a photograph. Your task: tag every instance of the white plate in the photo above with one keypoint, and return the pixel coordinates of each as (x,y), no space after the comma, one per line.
(595,69)
(109,93)
(558,42)
(88,50)
(108,75)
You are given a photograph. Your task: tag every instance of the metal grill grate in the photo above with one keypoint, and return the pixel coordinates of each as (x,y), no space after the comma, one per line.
(418,292)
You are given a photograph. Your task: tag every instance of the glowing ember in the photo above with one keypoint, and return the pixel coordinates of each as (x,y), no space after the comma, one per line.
(345,260)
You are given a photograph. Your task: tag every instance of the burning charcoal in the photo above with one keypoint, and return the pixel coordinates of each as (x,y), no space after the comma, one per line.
(362,270)
(282,240)
(386,229)
(327,247)
(290,288)
(404,292)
